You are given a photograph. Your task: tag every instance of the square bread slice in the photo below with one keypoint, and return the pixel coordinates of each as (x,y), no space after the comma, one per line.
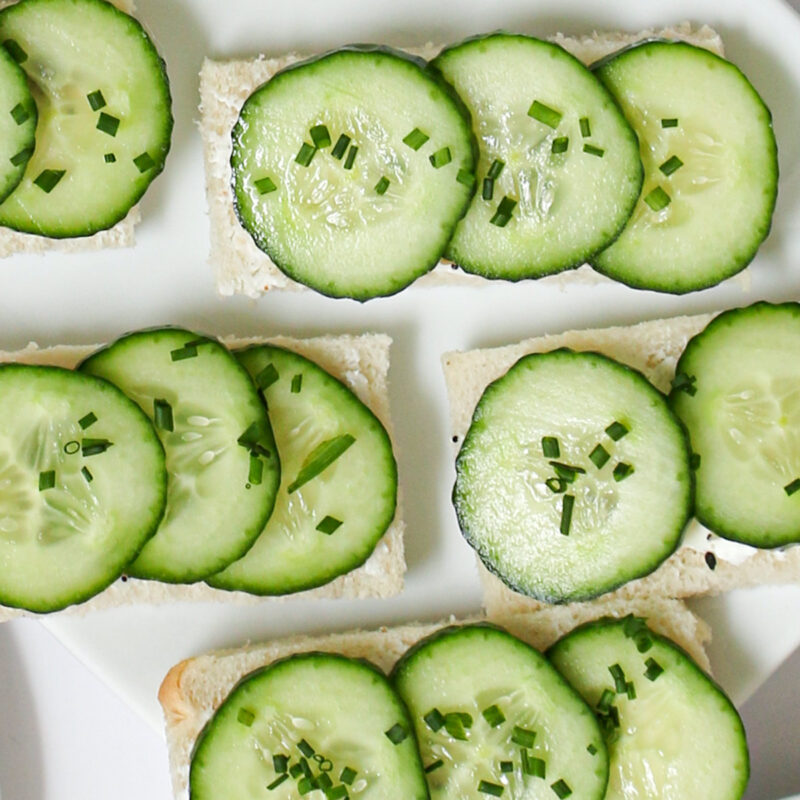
(652,348)
(240,267)
(362,363)
(195,688)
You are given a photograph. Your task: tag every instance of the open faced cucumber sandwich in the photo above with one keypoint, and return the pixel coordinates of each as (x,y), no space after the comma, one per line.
(89,125)
(166,457)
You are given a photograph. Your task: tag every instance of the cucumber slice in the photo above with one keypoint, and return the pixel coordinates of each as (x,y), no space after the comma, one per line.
(675,734)
(571,163)
(494,718)
(350,170)
(711,168)
(331,524)
(104,115)
(17,124)
(286,727)
(573,477)
(737,393)
(221,457)
(82,486)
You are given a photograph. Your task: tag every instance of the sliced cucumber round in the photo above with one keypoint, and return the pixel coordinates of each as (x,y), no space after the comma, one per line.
(737,390)
(82,485)
(314,724)
(17,124)
(711,168)
(223,465)
(353,197)
(338,489)
(493,718)
(104,115)
(559,166)
(573,477)
(671,731)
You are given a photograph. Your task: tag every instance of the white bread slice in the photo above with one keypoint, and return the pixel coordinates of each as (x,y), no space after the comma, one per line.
(362,363)
(652,348)
(240,267)
(195,688)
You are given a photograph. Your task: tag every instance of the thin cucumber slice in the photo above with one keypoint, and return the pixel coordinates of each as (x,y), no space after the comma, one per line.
(573,478)
(347,496)
(83,485)
(104,115)
(17,124)
(737,390)
(494,718)
(222,461)
(711,168)
(561,152)
(316,725)
(670,730)
(350,170)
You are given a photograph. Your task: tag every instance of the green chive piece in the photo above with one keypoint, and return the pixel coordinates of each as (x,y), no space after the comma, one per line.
(685,383)
(532,765)
(792,487)
(304,768)
(441,158)
(494,716)
(93,447)
(618,674)
(162,415)
(265,185)
(658,199)
(47,480)
(266,377)
(245,717)
(622,471)
(457,724)
(606,701)
(96,100)
(351,157)
(502,216)
(672,164)
(20,158)
(15,50)
(256,473)
(336,793)
(296,770)
(324,781)
(599,456)
(694,461)
(305,785)
(560,145)
(396,734)
(487,191)
(522,736)
(506,766)
(636,628)
(297,383)
(382,185)
(87,474)
(544,114)
(550,447)
(144,162)
(594,151)
(672,122)
(320,136)
(567,472)
(20,114)
(466,178)
(416,139)
(654,669)
(70,448)
(494,789)
(305,748)
(592,749)
(306,154)
(49,178)
(320,458)
(109,158)
(586,128)
(630,690)
(496,169)
(561,788)
(340,148)
(434,766)
(88,420)
(434,719)
(556,485)
(616,430)
(325,764)
(348,776)
(278,781)
(567,504)
(182,353)
(280,763)
(252,438)
(329,525)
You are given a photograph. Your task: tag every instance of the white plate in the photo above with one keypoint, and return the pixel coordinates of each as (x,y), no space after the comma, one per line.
(165,279)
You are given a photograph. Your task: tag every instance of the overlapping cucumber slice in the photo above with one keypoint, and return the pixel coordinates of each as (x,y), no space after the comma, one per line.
(17,124)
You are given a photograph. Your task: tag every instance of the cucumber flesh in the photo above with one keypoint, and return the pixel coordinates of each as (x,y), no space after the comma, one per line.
(82,486)
(678,737)
(571,202)
(511,495)
(17,124)
(220,492)
(331,524)
(703,220)
(88,65)
(505,718)
(284,728)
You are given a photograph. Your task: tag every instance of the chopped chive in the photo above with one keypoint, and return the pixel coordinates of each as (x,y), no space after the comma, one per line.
(594,151)
(96,100)
(396,734)
(592,749)
(616,430)
(684,383)
(305,785)
(49,178)
(523,736)
(434,719)
(416,139)
(532,765)
(560,145)
(70,448)
(182,353)
(277,782)
(245,717)
(792,487)
(622,471)
(544,114)
(18,159)
(256,473)
(599,456)
(320,136)
(672,122)
(15,50)
(306,154)
(561,788)
(567,472)
(694,461)
(351,157)
(606,701)
(494,789)
(320,458)
(494,716)
(457,723)
(654,669)
(506,766)
(556,485)
(586,128)
(280,763)
(348,776)
(340,148)
(502,216)
(304,768)
(88,420)
(441,158)
(162,415)
(107,124)
(336,793)
(325,764)
(466,178)
(20,114)
(487,190)
(47,480)
(550,447)
(266,377)
(434,766)
(672,164)
(658,199)
(109,158)
(93,447)
(633,626)
(265,185)
(305,748)
(711,561)
(630,690)
(382,185)
(496,169)
(329,525)
(567,504)
(323,781)
(296,770)
(144,162)
(618,674)
(297,383)
(87,474)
